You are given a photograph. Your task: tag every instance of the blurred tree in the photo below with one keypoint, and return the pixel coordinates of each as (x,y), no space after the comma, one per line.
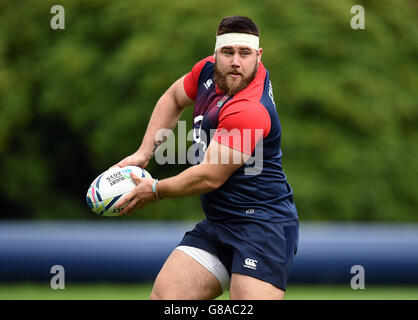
(73,102)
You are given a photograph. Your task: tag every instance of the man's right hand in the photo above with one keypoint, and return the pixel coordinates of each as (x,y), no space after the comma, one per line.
(136,159)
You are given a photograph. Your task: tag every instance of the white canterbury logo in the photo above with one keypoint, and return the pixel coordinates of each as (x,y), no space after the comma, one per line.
(251,263)
(208,83)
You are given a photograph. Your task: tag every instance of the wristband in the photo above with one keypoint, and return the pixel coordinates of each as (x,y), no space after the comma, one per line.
(154,188)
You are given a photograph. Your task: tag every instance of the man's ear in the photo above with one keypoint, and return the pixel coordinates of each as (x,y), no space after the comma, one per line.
(259,54)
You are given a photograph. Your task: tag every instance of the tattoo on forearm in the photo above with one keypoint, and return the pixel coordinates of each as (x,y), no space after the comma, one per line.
(156,145)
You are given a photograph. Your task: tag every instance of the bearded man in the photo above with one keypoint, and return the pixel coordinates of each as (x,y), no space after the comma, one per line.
(248,240)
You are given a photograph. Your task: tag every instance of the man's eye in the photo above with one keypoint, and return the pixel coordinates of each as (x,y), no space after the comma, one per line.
(245,53)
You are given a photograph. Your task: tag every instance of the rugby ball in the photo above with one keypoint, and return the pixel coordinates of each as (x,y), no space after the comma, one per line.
(105,191)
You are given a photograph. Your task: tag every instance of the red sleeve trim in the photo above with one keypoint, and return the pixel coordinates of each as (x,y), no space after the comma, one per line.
(190,82)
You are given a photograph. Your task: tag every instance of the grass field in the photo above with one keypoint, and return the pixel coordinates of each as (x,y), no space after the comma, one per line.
(36,291)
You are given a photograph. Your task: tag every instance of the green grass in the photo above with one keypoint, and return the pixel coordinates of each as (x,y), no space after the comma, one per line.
(36,291)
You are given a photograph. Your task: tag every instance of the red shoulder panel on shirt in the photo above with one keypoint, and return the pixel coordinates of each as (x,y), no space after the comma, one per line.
(242,124)
(190,80)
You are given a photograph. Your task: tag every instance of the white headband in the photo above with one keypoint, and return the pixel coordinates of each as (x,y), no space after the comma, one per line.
(233,39)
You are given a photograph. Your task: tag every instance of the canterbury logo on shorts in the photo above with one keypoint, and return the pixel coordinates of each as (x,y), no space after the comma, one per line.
(250,263)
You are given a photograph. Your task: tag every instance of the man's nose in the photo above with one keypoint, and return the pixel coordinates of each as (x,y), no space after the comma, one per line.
(235,62)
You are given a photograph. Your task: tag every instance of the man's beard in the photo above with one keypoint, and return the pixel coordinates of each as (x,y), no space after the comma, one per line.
(222,82)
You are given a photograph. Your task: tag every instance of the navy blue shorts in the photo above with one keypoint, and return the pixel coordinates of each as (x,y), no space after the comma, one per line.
(259,249)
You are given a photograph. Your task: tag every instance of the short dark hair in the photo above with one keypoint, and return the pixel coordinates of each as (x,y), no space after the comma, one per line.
(239,24)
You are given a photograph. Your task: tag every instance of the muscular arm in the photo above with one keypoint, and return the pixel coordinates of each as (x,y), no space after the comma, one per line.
(165,116)
(219,164)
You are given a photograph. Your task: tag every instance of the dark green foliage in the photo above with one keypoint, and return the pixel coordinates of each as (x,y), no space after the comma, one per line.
(73,102)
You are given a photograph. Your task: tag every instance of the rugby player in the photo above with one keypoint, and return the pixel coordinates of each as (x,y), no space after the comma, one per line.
(249,237)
